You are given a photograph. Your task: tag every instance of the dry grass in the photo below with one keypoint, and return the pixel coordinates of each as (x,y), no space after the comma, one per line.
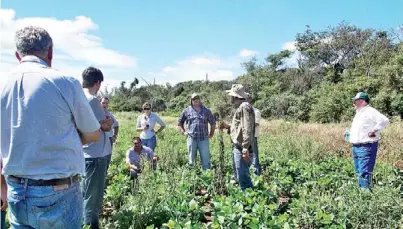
(330,137)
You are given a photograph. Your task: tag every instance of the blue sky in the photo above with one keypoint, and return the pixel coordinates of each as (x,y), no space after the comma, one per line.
(185,38)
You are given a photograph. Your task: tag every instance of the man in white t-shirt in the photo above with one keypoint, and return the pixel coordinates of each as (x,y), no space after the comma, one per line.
(255,148)
(364,135)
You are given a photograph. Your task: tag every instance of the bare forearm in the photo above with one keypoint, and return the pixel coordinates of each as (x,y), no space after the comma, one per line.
(181,128)
(3,182)
(116,130)
(160,129)
(212,129)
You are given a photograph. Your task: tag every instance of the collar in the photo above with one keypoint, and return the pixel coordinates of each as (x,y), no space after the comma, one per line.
(201,107)
(362,109)
(33,59)
(142,148)
(151,114)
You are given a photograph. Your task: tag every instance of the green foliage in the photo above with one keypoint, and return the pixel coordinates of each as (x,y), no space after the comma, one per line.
(302,186)
(329,67)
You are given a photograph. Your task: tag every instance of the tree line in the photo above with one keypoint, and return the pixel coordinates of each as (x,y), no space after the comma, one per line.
(331,66)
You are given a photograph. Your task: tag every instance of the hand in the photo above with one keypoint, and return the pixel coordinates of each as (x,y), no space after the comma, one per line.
(245,155)
(153,131)
(146,127)
(106,124)
(372,134)
(223,125)
(184,133)
(4,197)
(135,168)
(155,158)
(210,136)
(114,137)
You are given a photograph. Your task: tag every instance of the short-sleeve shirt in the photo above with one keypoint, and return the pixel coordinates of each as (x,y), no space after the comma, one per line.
(102,147)
(134,158)
(142,121)
(41,110)
(197,121)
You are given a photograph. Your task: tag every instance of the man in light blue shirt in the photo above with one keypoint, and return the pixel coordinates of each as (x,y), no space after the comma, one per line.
(95,153)
(43,116)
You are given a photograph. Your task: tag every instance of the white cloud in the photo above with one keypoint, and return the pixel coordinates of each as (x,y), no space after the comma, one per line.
(248,53)
(196,68)
(75,48)
(289,46)
(293,60)
(70,37)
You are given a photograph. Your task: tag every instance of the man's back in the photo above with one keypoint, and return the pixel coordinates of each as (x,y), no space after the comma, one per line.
(39,139)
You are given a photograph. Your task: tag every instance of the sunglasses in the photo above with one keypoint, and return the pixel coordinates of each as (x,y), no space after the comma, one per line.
(146,109)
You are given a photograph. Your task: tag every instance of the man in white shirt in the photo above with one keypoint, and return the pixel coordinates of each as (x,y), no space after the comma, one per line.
(365,131)
(255,148)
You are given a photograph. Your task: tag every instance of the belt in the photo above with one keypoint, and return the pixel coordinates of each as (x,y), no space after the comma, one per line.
(54,182)
(364,144)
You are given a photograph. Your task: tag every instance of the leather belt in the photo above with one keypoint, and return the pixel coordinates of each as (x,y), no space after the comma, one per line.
(54,182)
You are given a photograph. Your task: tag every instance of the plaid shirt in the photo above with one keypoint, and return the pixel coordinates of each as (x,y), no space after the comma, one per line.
(197,122)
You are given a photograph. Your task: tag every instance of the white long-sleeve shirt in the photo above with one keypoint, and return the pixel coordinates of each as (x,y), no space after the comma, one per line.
(366,120)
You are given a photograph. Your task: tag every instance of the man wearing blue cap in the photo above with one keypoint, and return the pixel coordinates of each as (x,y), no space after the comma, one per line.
(365,131)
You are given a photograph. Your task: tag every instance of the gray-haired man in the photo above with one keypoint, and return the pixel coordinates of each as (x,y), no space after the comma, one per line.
(41,110)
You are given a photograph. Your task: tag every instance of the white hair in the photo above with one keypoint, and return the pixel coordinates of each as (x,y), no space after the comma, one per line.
(32,40)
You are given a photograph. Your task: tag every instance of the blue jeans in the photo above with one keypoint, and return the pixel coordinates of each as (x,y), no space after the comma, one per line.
(150,143)
(255,158)
(364,162)
(108,162)
(47,207)
(3,219)
(93,189)
(241,169)
(204,149)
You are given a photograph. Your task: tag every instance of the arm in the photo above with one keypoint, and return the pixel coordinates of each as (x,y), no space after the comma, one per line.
(115,128)
(381,122)
(212,122)
(85,121)
(181,121)
(247,123)
(161,123)
(130,165)
(104,119)
(115,133)
(138,125)
(258,116)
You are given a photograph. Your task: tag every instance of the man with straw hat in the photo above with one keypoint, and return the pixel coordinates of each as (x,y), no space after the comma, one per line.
(365,131)
(242,131)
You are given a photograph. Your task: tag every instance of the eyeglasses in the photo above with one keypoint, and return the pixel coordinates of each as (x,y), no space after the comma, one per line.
(146,109)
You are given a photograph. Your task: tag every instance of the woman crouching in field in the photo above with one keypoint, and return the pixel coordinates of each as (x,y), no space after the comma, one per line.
(145,125)
(135,154)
